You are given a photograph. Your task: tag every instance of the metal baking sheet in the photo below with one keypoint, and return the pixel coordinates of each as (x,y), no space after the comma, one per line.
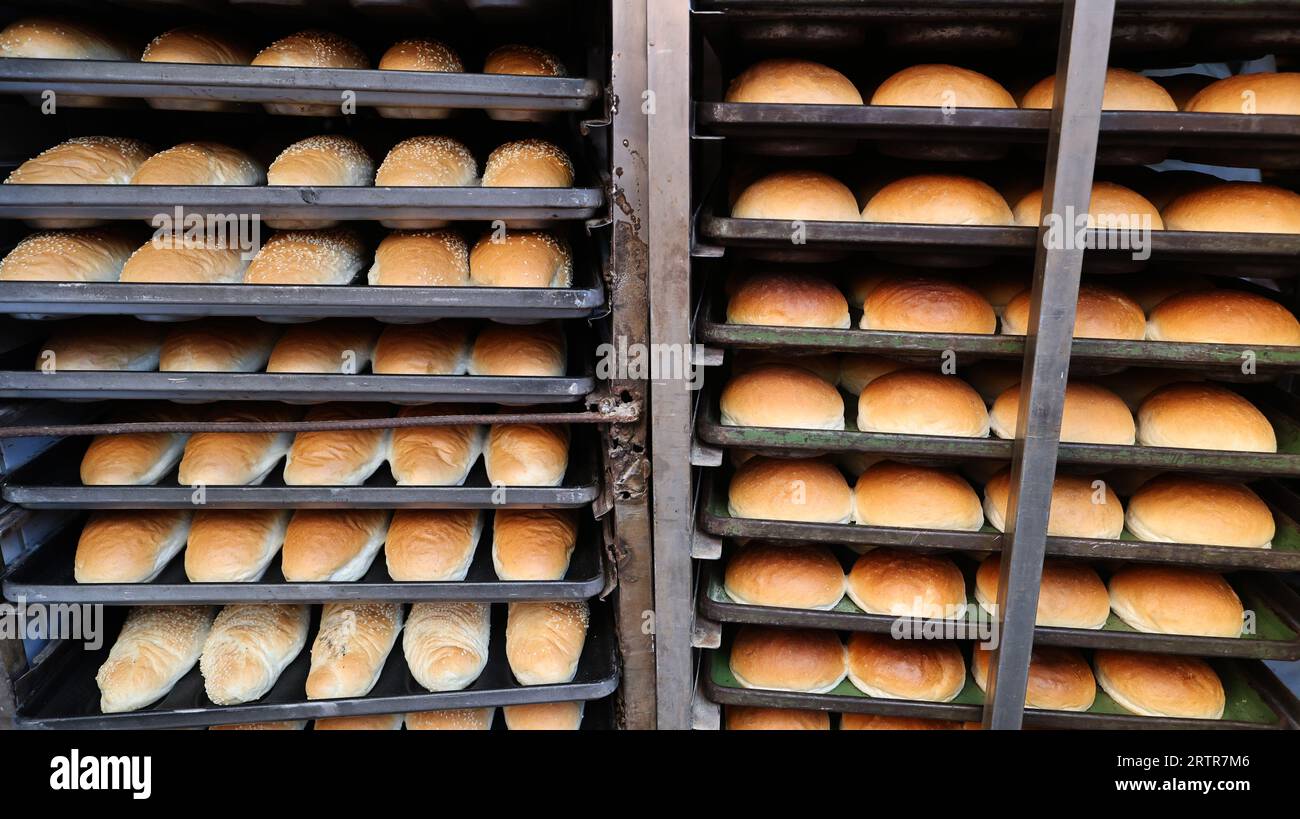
(61,693)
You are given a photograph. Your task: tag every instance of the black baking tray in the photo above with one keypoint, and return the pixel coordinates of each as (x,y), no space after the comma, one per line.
(60,692)
(45,576)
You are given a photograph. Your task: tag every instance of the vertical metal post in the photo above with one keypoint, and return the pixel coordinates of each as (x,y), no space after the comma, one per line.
(1071,154)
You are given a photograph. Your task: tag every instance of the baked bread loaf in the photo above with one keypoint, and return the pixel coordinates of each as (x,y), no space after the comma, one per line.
(1092,415)
(944,86)
(434,456)
(90,160)
(199,45)
(95,255)
(1101,312)
(525,61)
(1236,207)
(129,546)
(916,402)
(927,305)
(544,716)
(422,258)
(799,576)
(1110,206)
(438,348)
(526,454)
(332,545)
(544,640)
(58,38)
(249,646)
(237,458)
(342,346)
(799,489)
(155,648)
(234,545)
(754,718)
(1187,509)
(351,647)
(1192,415)
(199,163)
(938,199)
(102,344)
(137,458)
(1070,594)
(172,261)
(344,457)
(328,160)
(1081,507)
(1059,678)
(915,497)
(308,257)
(907,584)
(451,719)
(1262,93)
(446,644)
(515,350)
(775,395)
(418,55)
(1223,316)
(432,545)
(426,162)
(1124,91)
(371,722)
(797,195)
(217,345)
(787,659)
(881,666)
(310,49)
(528,163)
(1160,685)
(793,82)
(1176,600)
(522,258)
(533,544)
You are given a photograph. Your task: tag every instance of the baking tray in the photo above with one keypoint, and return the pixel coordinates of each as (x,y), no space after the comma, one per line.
(60,692)
(52,481)
(45,576)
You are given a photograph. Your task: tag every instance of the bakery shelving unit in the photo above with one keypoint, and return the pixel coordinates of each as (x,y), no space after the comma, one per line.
(689,212)
(52,685)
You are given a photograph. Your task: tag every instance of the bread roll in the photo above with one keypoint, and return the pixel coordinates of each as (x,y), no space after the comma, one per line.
(218,345)
(54,38)
(1124,91)
(341,346)
(91,160)
(173,261)
(796,576)
(426,258)
(332,545)
(237,458)
(428,162)
(94,255)
(522,60)
(446,644)
(369,722)
(915,402)
(282,725)
(1223,316)
(798,489)
(544,640)
(533,544)
(452,719)
(907,584)
(155,648)
(825,366)
(1100,313)
(1236,207)
(528,163)
(320,161)
(781,396)
(522,258)
(1059,678)
(944,86)
(937,199)
(344,457)
(200,45)
(797,195)
(1187,509)
(544,716)
(753,718)
(129,546)
(857,371)
(249,646)
(787,659)
(880,666)
(1263,93)
(308,257)
(1092,415)
(235,545)
(102,344)
(787,300)
(791,81)
(1081,507)
(528,350)
(1160,685)
(916,497)
(418,55)
(432,545)
(438,348)
(351,647)
(310,49)
(927,305)
(1190,415)
(1070,594)
(1110,206)
(1176,600)
(199,163)
(881,722)
(436,455)
(137,458)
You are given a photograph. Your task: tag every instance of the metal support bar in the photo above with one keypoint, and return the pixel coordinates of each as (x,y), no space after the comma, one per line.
(1067,187)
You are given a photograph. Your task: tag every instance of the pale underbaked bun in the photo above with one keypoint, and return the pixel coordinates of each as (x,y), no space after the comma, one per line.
(340,457)
(1190,415)
(329,346)
(942,85)
(797,195)
(421,258)
(1236,207)
(446,644)
(351,647)
(329,160)
(1110,206)
(526,454)
(249,646)
(1070,594)
(774,395)
(171,261)
(1059,678)
(90,160)
(198,45)
(451,719)
(528,349)
(1160,685)
(907,584)
(791,81)
(237,458)
(310,49)
(68,256)
(882,722)
(798,489)
(434,455)
(137,458)
(825,366)
(1092,415)
(217,345)
(1124,91)
(102,344)
(1263,93)
(1223,316)
(368,722)
(796,576)
(432,545)
(788,659)
(418,55)
(754,718)
(199,163)
(1176,600)
(51,38)
(544,640)
(880,666)
(859,370)
(533,544)
(155,648)
(938,199)
(924,304)
(438,348)
(522,258)
(544,716)
(426,162)
(916,402)
(1187,509)
(1101,312)
(915,497)
(129,546)
(788,300)
(334,545)
(528,163)
(1081,507)
(233,545)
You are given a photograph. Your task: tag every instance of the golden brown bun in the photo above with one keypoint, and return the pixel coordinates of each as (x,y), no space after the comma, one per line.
(351,646)
(801,489)
(544,640)
(907,584)
(526,454)
(916,402)
(942,85)
(1263,93)
(369,722)
(1176,600)
(439,348)
(332,544)
(806,195)
(533,544)
(522,259)
(1160,685)
(1187,509)
(68,256)
(428,161)
(1081,507)
(196,44)
(881,666)
(138,458)
(432,544)
(420,55)
(341,457)
(1125,91)
(1191,415)
(91,160)
(237,458)
(1101,313)
(52,38)
(881,722)
(790,81)
(859,370)
(328,346)
(313,49)
(938,199)
(171,262)
(788,300)
(544,716)
(1059,678)
(327,160)
(916,497)
(752,718)
(102,344)
(825,366)
(1110,205)
(1070,595)
(235,545)
(775,395)
(528,163)
(199,163)
(217,345)
(1223,316)
(1236,207)
(787,659)
(1093,415)
(529,349)
(523,60)
(437,455)
(452,719)
(800,576)
(927,305)
(129,546)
